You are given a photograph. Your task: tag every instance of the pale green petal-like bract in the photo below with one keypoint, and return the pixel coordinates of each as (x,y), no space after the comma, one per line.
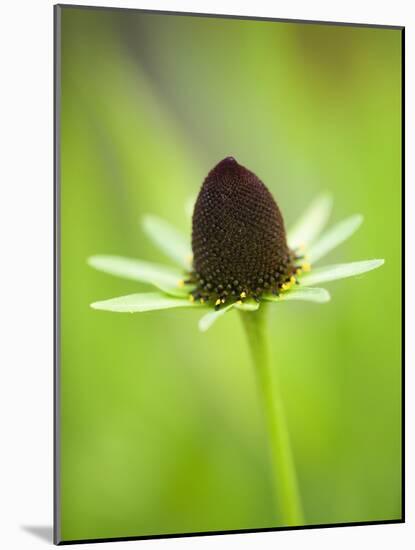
(189,207)
(169,240)
(207,320)
(333,237)
(162,277)
(147,301)
(338,271)
(249,305)
(307,294)
(311,223)
(177,290)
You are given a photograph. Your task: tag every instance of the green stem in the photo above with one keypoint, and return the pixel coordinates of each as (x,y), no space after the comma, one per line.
(283,468)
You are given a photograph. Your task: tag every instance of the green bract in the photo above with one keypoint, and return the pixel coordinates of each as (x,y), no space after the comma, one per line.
(306,237)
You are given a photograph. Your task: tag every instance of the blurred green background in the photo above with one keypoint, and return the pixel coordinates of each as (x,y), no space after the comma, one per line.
(161,429)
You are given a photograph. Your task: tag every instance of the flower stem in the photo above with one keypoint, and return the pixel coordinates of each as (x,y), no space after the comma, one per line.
(283,468)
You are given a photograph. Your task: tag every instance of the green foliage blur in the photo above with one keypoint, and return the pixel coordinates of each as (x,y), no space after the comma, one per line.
(161,428)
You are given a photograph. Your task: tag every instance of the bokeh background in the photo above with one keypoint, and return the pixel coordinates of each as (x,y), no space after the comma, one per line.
(161,428)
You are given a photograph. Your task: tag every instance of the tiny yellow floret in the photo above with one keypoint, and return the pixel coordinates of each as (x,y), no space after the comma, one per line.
(217,302)
(243,294)
(306,267)
(191,298)
(292,280)
(180,283)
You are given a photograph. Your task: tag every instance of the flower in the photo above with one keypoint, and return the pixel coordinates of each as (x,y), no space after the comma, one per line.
(242,256)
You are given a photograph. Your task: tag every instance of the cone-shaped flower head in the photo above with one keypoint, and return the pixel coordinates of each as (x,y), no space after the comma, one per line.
(238,237)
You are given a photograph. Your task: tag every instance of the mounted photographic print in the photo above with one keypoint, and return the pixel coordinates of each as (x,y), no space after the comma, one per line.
(228,261)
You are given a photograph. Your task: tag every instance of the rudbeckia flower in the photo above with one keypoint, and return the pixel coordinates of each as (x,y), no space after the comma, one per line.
(240,256)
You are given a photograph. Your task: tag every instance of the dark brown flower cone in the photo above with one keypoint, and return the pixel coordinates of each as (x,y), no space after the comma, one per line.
(238,236)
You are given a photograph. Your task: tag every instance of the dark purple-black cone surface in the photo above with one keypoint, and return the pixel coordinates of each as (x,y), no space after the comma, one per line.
(238,237)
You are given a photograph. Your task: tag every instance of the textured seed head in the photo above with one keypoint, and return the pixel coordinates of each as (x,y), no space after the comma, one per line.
(238,236)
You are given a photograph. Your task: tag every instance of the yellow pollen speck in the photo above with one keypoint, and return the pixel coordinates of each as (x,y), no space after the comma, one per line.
(180,283)
(285,286)
(191,298)
(292,280)
(299,271)
(243,294)
(202,301)
(217,302)
(239,302)
(306,267)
